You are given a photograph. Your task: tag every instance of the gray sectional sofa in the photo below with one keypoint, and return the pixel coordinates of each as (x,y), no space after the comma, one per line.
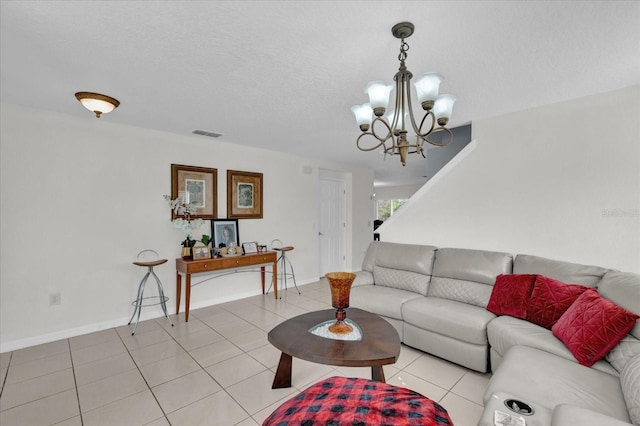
(436,299)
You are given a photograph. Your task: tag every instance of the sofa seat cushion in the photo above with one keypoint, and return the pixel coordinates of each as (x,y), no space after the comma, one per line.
(542,378)
(448,317)
(381,300)
(567,415)
(505,332)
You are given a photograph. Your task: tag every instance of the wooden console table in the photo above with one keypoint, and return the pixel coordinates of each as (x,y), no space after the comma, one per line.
(189,267)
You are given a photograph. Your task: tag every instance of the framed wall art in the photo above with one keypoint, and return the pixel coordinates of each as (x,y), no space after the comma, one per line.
(197,186)
(244,195)
(225,231)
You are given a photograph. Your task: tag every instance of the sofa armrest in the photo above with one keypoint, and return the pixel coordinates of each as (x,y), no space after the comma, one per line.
(363,278)
(570,415)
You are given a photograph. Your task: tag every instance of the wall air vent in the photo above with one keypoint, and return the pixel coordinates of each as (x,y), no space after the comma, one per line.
(205,133)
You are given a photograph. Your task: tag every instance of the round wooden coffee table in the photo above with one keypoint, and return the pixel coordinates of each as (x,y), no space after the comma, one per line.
(380,344)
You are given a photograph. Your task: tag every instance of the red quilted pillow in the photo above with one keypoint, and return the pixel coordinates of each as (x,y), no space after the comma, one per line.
(510,294)
(550,299)
(592,326)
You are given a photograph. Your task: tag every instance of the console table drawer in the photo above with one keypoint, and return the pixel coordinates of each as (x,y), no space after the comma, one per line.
(194,268)
(236,262)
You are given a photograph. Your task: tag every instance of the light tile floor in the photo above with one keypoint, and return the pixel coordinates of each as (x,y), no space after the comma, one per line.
(216,369)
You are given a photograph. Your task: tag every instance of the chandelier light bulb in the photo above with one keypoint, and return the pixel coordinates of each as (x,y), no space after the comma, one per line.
(364,115)
(427,87)
(443,108)
(378,92)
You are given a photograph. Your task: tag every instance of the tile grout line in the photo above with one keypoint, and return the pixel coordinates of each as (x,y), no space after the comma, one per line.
(4,379)
(75,382)
(142,375)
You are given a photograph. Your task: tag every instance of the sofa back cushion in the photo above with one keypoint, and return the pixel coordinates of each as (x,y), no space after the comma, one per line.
(467,276)
(407,257)
(401,279)
(402,266)
(630,383)
(623,289)
(563,271)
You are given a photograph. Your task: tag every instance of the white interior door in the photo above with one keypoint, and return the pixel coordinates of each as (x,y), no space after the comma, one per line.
(332,225)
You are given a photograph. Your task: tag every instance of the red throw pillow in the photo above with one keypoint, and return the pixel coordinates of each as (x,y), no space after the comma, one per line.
(510,294)
(592,326)
(550,299)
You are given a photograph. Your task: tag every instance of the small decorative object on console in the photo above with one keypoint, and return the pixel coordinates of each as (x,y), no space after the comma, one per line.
(249,248)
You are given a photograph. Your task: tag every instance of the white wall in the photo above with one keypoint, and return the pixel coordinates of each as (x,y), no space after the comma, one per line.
(81,196)
(562,181)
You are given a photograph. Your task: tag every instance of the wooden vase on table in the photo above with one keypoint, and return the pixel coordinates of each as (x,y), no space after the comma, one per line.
(340,284)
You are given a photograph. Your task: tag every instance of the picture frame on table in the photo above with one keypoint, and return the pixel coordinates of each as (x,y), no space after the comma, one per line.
(250,248)
(244,195)
(201,252)
(225,231)
(197,186)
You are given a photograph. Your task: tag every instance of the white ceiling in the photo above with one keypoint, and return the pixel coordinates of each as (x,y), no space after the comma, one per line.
(283,75)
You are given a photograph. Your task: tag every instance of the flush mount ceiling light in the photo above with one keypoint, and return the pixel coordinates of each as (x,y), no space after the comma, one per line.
(97,103)
(393,136)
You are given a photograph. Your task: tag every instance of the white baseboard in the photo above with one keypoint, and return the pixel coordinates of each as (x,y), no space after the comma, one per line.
(14,345)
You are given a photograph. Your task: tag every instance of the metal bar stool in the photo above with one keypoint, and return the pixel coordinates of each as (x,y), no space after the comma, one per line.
(276,245)
(148,259)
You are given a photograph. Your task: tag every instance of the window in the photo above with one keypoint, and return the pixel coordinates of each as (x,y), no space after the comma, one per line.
(386,208)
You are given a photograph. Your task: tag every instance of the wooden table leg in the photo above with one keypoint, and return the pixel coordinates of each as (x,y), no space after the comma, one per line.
(187,297)
(377,373)
(275,279)
(262,277)
(283,373)
(178,291)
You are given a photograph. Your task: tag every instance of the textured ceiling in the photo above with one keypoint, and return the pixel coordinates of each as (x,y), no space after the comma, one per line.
(283,75)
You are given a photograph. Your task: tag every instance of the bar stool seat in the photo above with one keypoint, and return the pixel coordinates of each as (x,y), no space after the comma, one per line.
(276,245)
(160,299)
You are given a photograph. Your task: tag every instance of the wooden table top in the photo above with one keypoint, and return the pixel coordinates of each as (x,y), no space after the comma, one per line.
(380,344)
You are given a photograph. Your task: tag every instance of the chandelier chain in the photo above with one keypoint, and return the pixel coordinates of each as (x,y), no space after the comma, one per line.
(404,47)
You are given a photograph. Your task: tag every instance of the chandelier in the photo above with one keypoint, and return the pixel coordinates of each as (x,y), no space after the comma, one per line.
(392,133)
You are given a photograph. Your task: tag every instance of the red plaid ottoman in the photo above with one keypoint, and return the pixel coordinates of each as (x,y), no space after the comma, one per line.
(347,401)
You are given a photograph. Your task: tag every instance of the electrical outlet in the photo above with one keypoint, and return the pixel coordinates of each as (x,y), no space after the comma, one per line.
(54,299)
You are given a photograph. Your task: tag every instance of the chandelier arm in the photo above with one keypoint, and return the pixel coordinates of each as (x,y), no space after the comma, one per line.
(373,133)
(389,132)
(418,131)
(441,129)
(368,149)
